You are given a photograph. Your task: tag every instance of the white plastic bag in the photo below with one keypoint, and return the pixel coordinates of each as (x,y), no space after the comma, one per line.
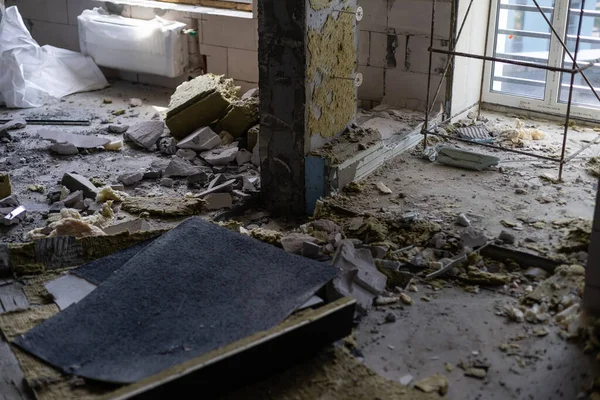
(30,74)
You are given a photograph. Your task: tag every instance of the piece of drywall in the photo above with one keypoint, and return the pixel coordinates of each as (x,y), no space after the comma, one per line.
(466,83)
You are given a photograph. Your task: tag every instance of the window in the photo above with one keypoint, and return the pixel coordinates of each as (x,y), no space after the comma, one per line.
(520,33)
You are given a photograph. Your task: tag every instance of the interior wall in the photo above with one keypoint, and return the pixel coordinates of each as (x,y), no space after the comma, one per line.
(392,43)
(467,75)
(393,51)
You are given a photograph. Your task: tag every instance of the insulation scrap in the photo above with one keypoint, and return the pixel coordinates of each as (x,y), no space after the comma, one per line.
(577,237)
(519,133)
(474,276)
(567,279)
(70,223)
(267,236)
(593,166)
(107,193)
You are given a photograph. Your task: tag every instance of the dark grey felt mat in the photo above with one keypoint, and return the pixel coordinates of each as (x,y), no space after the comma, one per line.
(192,290)
(100,270)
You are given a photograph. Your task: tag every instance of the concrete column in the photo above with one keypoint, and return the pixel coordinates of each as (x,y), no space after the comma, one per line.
(591,296)
(304,47)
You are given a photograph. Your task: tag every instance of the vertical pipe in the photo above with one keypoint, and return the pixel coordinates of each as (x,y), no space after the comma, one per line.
(568,115)
(426,123)
(487,37)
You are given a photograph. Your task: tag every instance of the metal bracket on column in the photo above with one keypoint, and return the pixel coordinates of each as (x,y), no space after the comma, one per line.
(359,13)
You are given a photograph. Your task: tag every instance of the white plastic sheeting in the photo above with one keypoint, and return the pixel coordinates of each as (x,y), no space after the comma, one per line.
(155,47)
(30,74)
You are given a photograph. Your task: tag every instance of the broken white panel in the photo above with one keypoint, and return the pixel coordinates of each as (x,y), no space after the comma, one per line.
(69,289)
(30,74)
(156,47)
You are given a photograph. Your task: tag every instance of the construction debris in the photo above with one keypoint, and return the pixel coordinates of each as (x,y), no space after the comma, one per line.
(435,383)
(69,139)
(5,185)
(145,134)
(14,217)
(163,206)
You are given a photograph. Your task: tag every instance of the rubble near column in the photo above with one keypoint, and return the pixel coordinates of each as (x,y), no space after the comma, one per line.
(305,47)
(591,298)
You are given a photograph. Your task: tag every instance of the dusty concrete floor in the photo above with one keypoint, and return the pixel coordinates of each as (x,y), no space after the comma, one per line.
(427,335)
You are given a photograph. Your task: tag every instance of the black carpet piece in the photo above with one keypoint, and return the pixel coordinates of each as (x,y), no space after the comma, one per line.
(100,270)
(192,290)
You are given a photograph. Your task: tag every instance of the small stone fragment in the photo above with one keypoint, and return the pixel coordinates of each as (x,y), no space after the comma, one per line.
(107,100)
(462,220)
(145,134)
(217,201)
(74,182)
(220,156)
(243,157)
(167,145)
(166,182)
(114,146)
(116,113)
(390,317)
(507,237)
(131,178)
(202,139)
(310,250)
(133,102)
(114,128)
(406,380)
(186,154)
(64,149)
(294,242)
(520,191)
(472,238)
(478,373)
(180,168)
(383,188)
(406,299)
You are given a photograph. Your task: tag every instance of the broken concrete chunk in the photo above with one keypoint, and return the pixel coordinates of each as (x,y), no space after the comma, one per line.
(201,140)
(79,141)
(167,145)
(241,116)
(186,154)
(163,206)
(17,123)
(252,137)
(406,380)
(221,155)
(166,182)
(131,178)
(325,225)
(73,198)
(310,250)
(224,187)
(64,149)
(478,373)
(199,102)
(56,207)
(145,134)
(114,146)
(256,156)
(217,201)
(383,188)
(435,383)
(507,237)
(136,225)
(199,177)
(153,173)
(462,220)
(14,217)
(180,168)
(133,102)
(226,138)
(5,185)
(75,182)
(473,238)
(250,93)
(243,157)
(294,242)
(465,159)
(114,128)
(10,201)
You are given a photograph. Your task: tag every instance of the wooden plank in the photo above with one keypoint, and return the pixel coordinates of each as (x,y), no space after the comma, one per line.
(248,359)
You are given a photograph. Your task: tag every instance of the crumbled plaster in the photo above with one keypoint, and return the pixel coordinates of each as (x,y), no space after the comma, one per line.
(332,55)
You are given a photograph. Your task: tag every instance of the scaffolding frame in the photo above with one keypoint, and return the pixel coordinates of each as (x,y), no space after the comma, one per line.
(576,69)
